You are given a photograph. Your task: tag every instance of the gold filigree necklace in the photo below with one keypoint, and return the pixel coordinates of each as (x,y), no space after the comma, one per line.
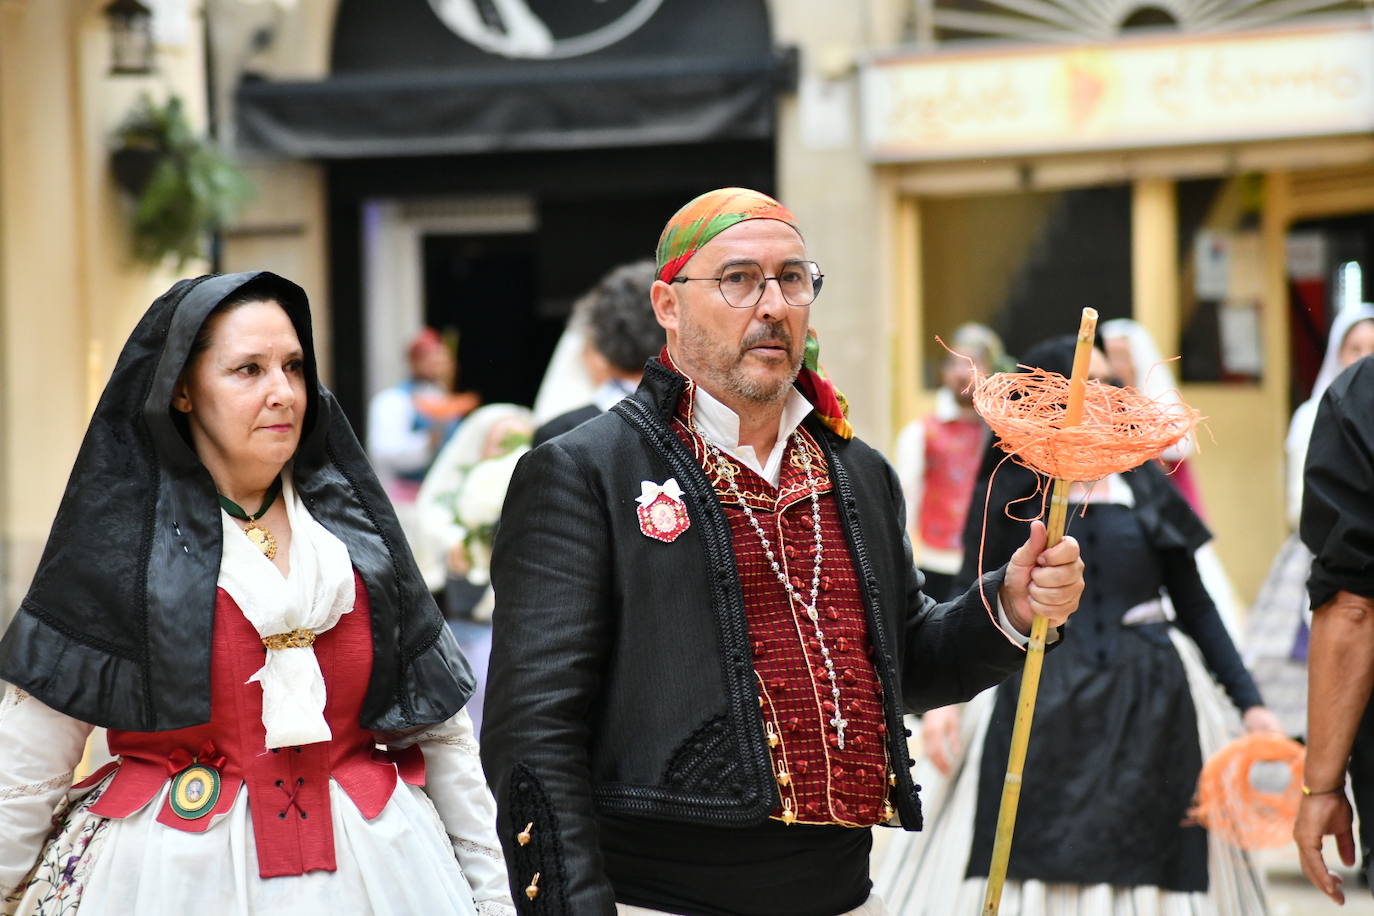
(258,534)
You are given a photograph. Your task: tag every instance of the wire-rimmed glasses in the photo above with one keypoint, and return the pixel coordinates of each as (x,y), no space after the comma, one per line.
(741,284)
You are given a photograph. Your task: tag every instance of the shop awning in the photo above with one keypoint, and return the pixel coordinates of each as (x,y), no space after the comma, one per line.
(548,105)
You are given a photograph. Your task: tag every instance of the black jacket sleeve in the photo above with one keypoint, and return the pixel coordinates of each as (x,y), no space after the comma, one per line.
(952,651)
(550,572)
(1337,509)
(1198,617)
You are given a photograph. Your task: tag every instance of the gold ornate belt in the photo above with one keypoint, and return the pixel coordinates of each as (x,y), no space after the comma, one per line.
(296,639)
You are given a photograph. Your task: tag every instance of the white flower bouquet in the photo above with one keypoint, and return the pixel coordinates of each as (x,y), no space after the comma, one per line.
(478,508)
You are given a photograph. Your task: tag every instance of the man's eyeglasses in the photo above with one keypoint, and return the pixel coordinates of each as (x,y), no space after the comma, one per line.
(741,284)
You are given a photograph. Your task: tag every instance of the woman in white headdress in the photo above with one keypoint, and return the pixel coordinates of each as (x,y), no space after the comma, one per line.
(1277,630)
(1136,361)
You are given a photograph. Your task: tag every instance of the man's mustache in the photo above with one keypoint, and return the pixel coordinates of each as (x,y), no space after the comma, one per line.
(777,333)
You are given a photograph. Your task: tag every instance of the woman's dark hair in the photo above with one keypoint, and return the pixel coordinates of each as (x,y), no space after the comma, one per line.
(259,290)
(262,289)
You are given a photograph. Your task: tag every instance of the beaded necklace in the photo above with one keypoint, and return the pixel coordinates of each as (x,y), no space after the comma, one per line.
(728,471)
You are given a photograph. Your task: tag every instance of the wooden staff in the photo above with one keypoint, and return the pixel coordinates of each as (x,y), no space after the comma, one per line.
(1035,652)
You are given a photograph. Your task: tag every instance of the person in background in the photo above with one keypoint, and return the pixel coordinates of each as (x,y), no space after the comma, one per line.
(938,457)
(227,591)
(622,336)
(408,423)
(1337,525)
(457,510)
(1135,361)
(1277,631)
(1127,711)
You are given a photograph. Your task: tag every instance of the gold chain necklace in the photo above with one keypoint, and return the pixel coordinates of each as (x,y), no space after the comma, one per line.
(262,538)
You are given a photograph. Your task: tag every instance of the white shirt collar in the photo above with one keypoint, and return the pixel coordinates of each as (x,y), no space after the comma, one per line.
(611,393)
(720,425)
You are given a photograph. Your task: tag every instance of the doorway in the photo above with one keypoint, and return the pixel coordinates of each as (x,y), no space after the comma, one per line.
(485,290)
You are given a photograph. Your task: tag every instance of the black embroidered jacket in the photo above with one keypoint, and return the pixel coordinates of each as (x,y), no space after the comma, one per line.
(621,678)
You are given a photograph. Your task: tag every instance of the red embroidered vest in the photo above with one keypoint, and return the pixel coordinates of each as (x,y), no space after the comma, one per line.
(954,449)
(818,782)
(288,788)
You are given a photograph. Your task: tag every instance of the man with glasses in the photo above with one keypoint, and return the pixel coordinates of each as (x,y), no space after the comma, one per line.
(707,623)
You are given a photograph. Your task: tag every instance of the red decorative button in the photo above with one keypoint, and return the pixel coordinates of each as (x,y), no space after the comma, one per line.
(828,706)
(837,772)
(801,766)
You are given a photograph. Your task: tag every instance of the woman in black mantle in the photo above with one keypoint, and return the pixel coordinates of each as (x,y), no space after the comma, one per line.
(226,590)
(1125,710)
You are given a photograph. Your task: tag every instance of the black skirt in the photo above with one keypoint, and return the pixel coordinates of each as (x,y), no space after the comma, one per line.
(1110,772)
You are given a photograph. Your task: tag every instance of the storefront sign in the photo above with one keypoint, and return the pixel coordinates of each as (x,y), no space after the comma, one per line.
(1150,92)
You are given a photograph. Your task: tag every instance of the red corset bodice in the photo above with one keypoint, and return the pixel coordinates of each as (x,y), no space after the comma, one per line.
(288,788)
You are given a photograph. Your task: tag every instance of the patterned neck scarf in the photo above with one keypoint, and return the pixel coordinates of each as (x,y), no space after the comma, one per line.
(705,217)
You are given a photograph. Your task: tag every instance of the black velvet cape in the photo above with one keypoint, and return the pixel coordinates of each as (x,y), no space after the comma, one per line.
(116,627)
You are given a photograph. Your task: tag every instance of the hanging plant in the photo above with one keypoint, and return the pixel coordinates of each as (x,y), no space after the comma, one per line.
(183,187)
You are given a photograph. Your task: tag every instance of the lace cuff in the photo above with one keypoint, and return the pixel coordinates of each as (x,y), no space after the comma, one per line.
(455,783)
(39,749)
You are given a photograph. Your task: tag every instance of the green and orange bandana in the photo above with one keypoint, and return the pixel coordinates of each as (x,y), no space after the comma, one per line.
(705,217)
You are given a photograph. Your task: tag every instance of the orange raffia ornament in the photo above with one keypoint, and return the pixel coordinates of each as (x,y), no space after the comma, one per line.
(1231,805)
(1120,428)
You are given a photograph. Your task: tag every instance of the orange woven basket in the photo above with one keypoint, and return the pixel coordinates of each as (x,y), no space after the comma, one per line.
(1121,428)
(1230,804)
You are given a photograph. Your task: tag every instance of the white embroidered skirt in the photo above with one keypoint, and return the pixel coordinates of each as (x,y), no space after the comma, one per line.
(398,864)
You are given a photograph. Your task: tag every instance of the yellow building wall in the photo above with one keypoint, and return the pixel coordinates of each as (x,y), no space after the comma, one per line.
(967,251)
(69,292)
(1239,468)
(964,241)
(824,178)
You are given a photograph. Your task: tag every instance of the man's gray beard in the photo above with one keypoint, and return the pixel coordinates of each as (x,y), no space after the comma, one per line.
(733,380)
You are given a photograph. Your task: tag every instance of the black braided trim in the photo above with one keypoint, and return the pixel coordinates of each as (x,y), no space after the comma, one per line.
(743,723)
(703,762)
(529,804)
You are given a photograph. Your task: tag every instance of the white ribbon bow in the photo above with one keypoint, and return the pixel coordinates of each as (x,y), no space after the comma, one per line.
(650,491)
